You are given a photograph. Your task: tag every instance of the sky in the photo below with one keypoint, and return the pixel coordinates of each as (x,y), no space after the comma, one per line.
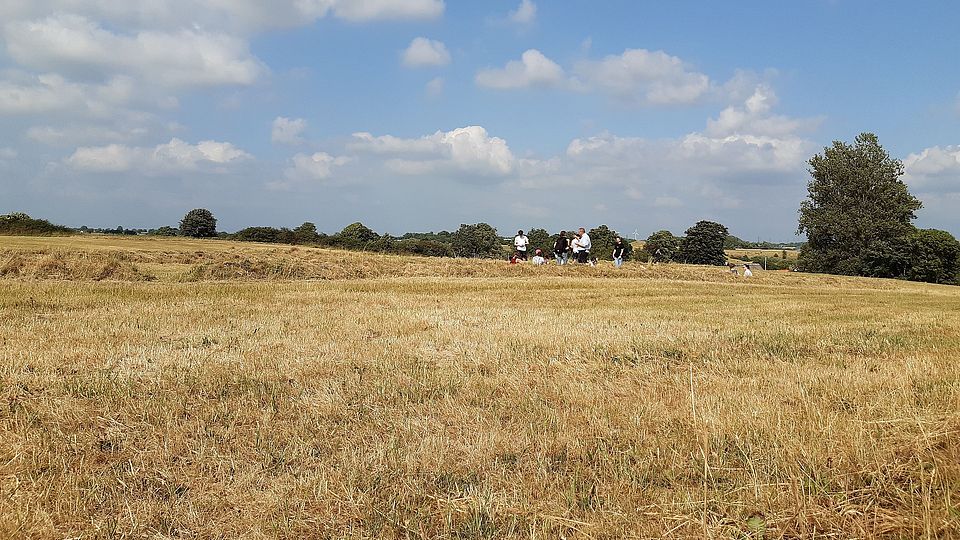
(418,115)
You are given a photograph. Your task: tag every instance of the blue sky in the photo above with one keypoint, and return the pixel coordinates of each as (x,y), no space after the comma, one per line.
(424,114)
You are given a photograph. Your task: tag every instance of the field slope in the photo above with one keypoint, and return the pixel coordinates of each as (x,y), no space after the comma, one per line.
(182,389)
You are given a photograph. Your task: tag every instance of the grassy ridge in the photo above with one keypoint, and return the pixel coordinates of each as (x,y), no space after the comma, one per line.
(512,406)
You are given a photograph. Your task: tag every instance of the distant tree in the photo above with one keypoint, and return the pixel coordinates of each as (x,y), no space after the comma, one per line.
(305,233)
(355,236)
(199,223)
(703,244)
(857,208)
(602,239)
(539,239)
(21,224)
(271,235)
(732,242)
(662,246)
(480,240)
(934,257)
(163,231)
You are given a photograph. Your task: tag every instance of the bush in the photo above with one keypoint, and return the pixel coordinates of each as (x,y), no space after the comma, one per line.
(479,240)
(662,246)
(703,244)
(199,223)
(20,224)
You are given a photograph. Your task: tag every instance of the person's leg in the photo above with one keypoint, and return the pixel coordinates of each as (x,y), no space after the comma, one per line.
(618,262)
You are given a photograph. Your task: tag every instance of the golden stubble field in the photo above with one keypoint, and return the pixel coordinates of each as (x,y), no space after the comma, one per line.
(177,389)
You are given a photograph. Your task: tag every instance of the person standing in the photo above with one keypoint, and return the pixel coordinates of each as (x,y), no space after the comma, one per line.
(583,243)
(561,248)
(619,252)
(521,242)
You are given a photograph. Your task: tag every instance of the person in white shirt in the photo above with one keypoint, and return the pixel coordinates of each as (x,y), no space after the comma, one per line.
(746,271)
(538,259)
(582,245)
(521,242)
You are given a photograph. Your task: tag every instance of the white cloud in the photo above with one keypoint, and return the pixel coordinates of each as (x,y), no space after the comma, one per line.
(533,69)
(469,150)
(934,170)
(640,75)
(525,13)
(309,169)
(8,153)
(368,10)
(83,134)
(234,15)
(424,52)
(174,156)
(435,87)
(75,45)
(754,117)
(288,130)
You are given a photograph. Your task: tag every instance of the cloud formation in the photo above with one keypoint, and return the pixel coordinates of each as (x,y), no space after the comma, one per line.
(469,150)
(423,52)
(174,156)
(533,69)
(288,130)
(525,13)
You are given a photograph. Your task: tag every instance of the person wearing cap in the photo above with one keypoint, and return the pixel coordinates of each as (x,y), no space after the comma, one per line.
(520,241)
(538,259)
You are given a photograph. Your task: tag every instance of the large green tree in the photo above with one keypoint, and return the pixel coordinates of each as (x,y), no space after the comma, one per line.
(857,208)
(934,257)
(480,240)
(703,244)
(199,223)
(540,239)
(662,246)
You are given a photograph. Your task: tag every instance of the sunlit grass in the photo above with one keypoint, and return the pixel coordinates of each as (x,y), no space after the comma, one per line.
(675,401)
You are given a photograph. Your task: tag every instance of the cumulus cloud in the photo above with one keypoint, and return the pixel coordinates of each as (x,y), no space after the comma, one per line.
(934,170)
(754,117)
(525,13)
(635,76)
(640,75)
(288,130)
(533,69)
(174,156)
(468,150)
(235,15)
(78,46)
(424,52)
(308,169)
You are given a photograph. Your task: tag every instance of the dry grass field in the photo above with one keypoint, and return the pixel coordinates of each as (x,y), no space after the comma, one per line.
(164,388)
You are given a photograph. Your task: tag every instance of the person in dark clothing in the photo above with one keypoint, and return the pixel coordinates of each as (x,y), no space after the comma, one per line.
(561,248)
(619,250)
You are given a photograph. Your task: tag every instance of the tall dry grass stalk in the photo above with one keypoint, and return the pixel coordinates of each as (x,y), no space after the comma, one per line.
(515,405)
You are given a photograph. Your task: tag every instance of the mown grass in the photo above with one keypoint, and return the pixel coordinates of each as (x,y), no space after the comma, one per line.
(521,405)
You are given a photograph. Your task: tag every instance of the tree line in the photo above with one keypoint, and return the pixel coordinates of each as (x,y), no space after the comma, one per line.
(858,220)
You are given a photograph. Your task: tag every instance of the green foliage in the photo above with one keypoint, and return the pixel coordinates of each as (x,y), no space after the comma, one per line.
(265,234)
(480,240)
(445,237)
(662,246)
(20,224)
(857,211)
(306,233)
(602,239)
(540,239)
(199,223)
(703,244)
(164,231)
(934,257)
(426,248)
(355,236)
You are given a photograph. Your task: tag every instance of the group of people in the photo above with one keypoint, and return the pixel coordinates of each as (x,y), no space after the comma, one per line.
(576,247)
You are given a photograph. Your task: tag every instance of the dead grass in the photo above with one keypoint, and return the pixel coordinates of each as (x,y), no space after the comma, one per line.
(677,402)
